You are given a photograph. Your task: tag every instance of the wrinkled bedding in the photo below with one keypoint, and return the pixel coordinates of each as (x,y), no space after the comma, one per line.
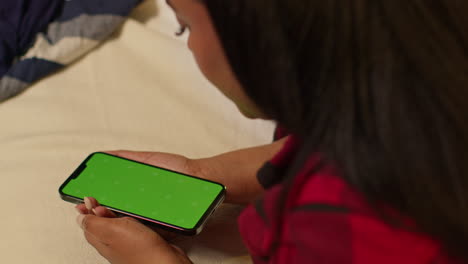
(20,22)
(39,37)
(140,90)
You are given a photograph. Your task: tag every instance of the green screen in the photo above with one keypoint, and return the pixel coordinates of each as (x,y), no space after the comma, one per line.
(144,190)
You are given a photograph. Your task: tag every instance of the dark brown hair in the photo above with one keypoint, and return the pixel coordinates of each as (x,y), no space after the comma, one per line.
(380,87)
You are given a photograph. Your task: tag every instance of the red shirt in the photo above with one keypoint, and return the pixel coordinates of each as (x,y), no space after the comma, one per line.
(325,222)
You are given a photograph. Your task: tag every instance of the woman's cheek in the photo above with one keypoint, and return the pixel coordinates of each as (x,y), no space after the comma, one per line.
(189,42)
(207,57)
(215,67)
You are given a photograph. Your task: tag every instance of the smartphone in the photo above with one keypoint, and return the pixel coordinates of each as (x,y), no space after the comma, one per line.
(168,199)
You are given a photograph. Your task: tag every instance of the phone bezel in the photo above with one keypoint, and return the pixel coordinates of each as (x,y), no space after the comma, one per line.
(167,226)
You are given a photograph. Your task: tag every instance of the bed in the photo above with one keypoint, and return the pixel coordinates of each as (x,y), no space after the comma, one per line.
(139,90)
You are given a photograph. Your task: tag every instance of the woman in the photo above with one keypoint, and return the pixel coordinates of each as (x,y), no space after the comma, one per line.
(371,100)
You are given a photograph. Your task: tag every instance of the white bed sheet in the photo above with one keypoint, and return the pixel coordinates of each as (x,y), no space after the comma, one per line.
(140,90)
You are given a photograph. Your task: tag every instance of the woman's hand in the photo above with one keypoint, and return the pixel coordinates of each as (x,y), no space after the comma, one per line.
(236,170)
(125,240)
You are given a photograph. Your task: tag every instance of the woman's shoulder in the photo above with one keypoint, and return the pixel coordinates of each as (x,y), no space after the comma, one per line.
(327,216)
(327,219)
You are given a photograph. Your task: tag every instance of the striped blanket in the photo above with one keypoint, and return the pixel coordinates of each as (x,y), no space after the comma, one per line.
(80,27)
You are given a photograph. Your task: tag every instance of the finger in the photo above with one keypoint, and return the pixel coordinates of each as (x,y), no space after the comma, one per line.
(104,212)
(81,208)
(97,229)
(101,246)
(123,153)
(101,227)
(119,152)
(90,204)
(105,232)
(132,155)
(178,249)
(93,202)
(120,235)
(131,219)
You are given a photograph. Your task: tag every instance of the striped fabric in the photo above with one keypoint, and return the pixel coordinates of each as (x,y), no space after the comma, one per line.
(81,26)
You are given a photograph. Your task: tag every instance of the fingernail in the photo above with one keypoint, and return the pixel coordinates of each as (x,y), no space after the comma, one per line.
(94,211)
(79,220)
(88,204)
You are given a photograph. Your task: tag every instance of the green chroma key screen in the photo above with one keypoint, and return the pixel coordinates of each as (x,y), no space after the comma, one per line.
(144,190)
